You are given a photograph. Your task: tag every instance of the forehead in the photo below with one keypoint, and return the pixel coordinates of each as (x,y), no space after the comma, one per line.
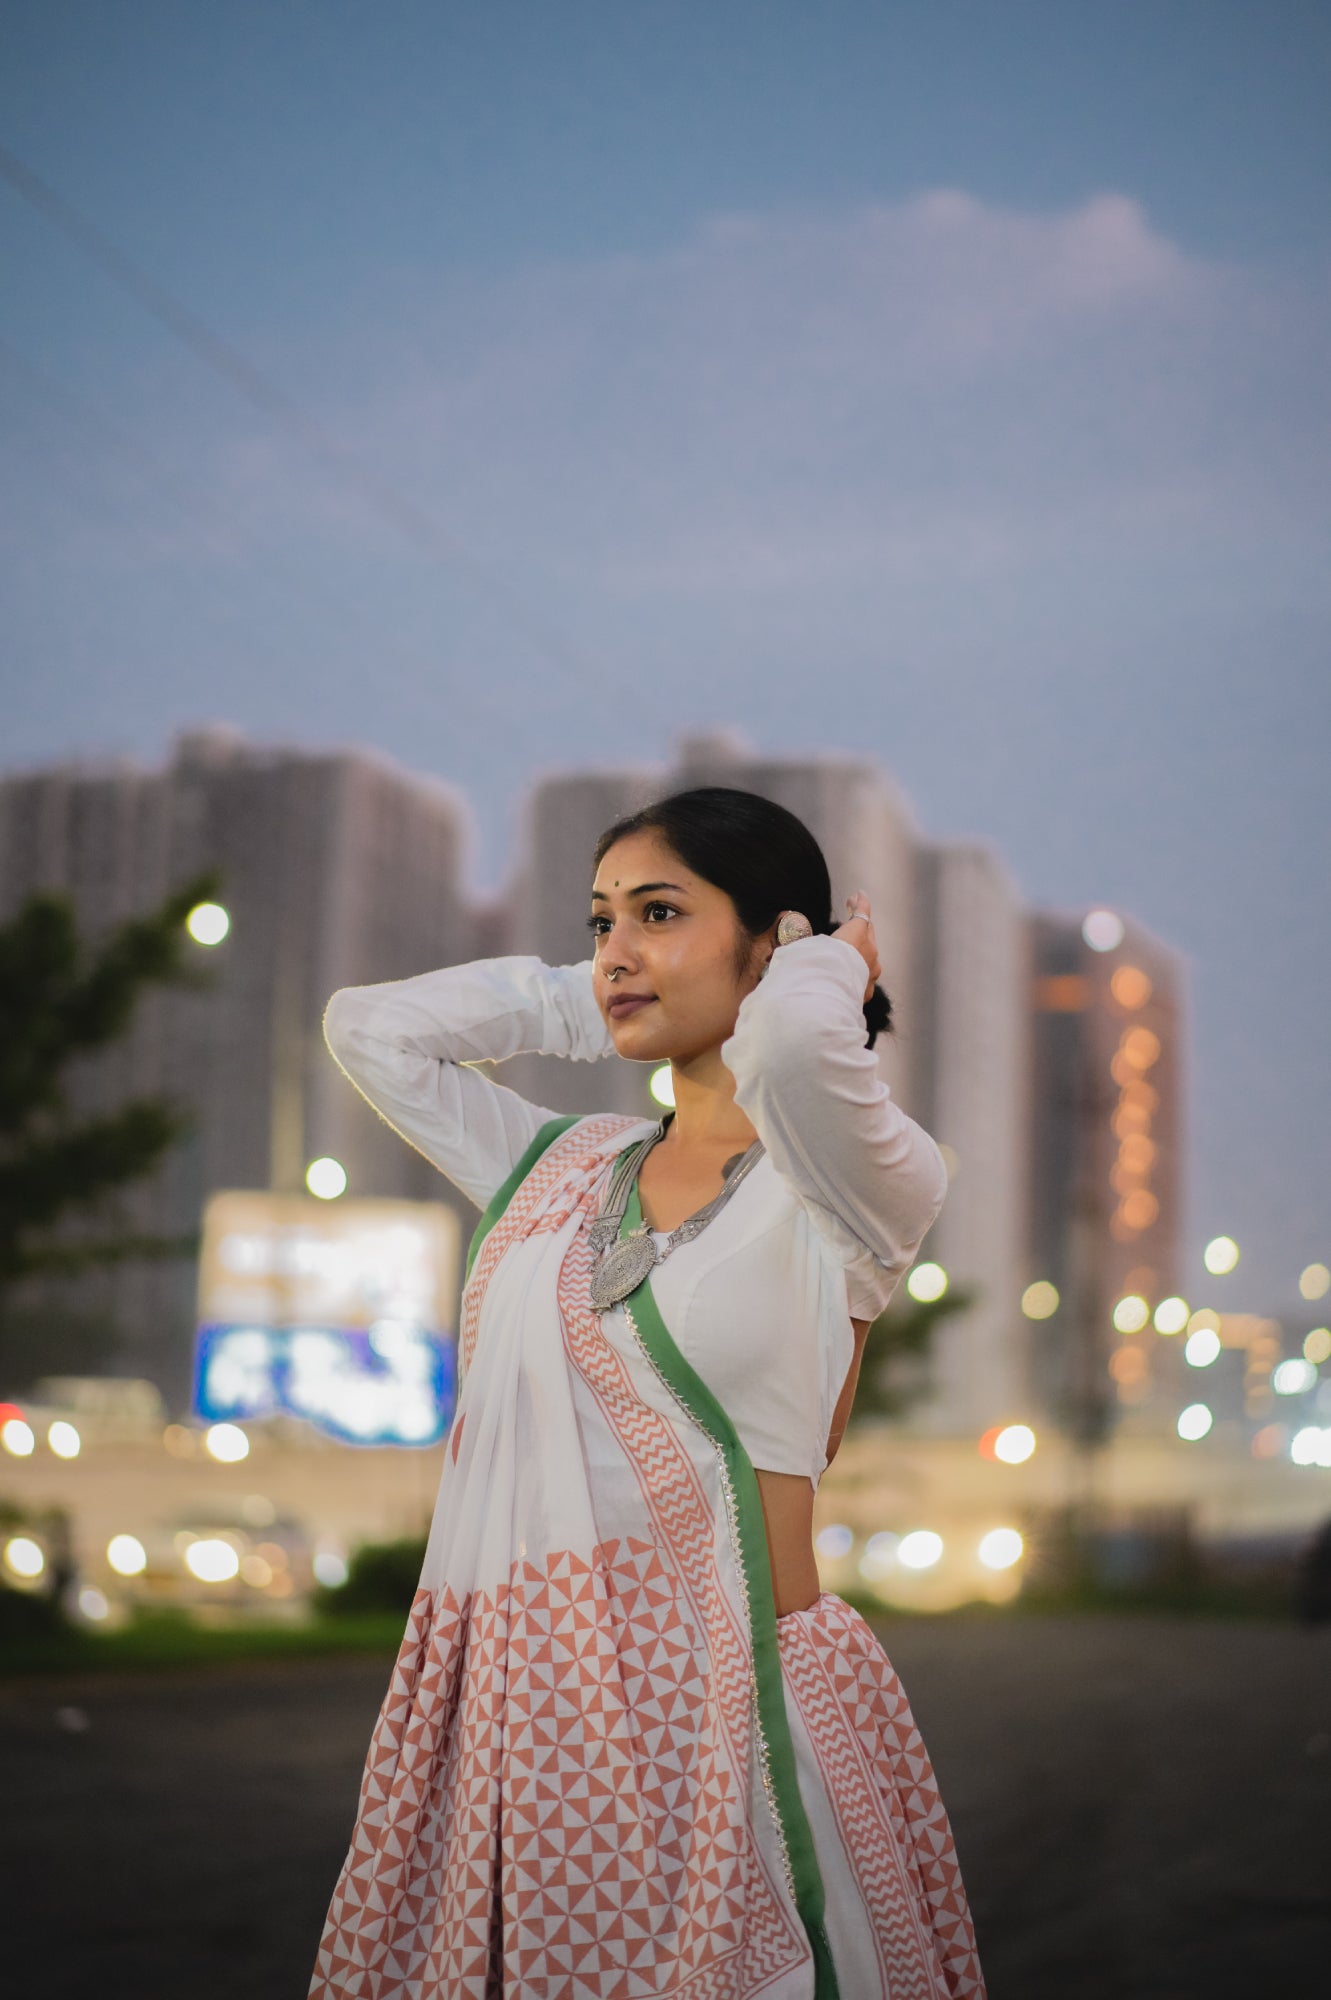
(643,857)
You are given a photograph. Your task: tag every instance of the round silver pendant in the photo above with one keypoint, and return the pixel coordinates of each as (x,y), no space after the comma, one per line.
(622,1269)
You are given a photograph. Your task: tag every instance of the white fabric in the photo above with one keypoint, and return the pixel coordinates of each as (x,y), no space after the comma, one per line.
(821,1230)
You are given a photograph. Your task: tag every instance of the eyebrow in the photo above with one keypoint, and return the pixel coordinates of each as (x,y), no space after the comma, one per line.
(599,895)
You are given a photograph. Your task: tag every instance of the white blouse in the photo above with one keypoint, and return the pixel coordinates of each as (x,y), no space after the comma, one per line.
(818,1232)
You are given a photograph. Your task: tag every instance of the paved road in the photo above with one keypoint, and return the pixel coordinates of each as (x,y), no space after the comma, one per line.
(1142,1809)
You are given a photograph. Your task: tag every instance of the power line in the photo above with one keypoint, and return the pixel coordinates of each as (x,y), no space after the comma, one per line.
(232,366)
(213,514)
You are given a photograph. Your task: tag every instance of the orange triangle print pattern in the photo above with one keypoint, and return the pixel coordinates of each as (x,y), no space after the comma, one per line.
(882,1791)
(539,1814)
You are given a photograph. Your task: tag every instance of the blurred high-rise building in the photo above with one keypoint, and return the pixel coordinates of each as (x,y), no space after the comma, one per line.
(337,869)
(972,1064)
(1106,1193)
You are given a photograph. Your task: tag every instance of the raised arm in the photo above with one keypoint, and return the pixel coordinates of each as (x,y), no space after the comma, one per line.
(870,1178)
(406,1045)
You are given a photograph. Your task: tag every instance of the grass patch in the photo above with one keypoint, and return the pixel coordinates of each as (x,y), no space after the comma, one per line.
(172,1639)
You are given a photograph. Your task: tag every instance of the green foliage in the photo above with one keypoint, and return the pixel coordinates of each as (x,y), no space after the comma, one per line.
(61,999)
(894,1365)
(381,1576)
(29,1614)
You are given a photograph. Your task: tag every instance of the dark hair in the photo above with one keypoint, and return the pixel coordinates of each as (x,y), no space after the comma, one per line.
(762,856)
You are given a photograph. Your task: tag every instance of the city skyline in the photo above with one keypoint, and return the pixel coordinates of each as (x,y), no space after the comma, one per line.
(968,970)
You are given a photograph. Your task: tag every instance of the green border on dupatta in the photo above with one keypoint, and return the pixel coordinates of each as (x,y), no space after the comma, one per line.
(502,1196)
(684,1382)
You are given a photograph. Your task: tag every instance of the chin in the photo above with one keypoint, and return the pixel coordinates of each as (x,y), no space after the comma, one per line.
(634,1046)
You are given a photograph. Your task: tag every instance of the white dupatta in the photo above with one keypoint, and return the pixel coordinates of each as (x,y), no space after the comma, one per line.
(582,1780)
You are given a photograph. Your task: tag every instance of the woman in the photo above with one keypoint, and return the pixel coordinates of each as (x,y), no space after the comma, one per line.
(630,1748)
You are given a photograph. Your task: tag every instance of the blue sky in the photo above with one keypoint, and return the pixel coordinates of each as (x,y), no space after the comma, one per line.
(945,380)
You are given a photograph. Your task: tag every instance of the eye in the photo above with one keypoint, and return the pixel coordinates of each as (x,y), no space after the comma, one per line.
(594,923)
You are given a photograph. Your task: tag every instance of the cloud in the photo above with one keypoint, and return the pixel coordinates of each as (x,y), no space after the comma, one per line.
(792,400)
(784,406)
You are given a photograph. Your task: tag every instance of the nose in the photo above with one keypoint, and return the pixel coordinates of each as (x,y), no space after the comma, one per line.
(614,948)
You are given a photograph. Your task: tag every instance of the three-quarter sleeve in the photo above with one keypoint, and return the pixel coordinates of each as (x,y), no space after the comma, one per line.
(406,1046)
(870,1179)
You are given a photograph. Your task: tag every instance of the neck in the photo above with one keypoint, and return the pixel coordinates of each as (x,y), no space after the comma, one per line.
(706,1113)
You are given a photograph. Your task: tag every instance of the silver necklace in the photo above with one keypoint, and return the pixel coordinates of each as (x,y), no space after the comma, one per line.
(622,1262)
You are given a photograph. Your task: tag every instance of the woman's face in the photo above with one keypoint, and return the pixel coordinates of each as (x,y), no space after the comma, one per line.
(668,935)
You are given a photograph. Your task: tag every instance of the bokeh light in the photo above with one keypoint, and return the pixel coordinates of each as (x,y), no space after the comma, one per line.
(64,1440)
(1040,1300)
(1000,1548)
(93,1603)
(1102,930)
(661,1084)
(1315,1281)
(1194,1422)
(880,1555)
(834,1542)
(330,1568)
(1293,1377)
(326,1178)
(1311,1446)
(17,1437)
(1131,1314)
(24,1557)
(227,1443)
(207,923)
(1130,987)
(1141,1048)
(1014,1444)
(127,1555)
(921,1549)
(926,1283)
(1317,1345)
(1171,1315)
(1220,1255)
(1202,1347)
(212,1560)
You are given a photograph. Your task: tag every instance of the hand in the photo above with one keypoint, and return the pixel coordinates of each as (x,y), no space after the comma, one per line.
(861,936)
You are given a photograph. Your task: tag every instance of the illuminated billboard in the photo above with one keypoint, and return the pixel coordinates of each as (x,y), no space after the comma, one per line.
(336,1313)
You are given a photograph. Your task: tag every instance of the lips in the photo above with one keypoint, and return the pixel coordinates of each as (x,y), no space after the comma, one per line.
(629,1003)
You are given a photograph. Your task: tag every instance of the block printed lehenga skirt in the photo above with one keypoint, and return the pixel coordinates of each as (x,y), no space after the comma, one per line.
(604,1769)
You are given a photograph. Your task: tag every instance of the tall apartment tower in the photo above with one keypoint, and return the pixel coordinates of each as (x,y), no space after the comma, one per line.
(337,869)
(1106,1190)
(860,820)
(972,1051)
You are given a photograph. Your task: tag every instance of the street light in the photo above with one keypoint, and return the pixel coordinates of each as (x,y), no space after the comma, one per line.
(208,923)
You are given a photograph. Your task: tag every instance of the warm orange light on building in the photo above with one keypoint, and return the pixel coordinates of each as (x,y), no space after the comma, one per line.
(1130,987)
(1062,993)
(1141,1047)
(1130,1175)
(1137,1211)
